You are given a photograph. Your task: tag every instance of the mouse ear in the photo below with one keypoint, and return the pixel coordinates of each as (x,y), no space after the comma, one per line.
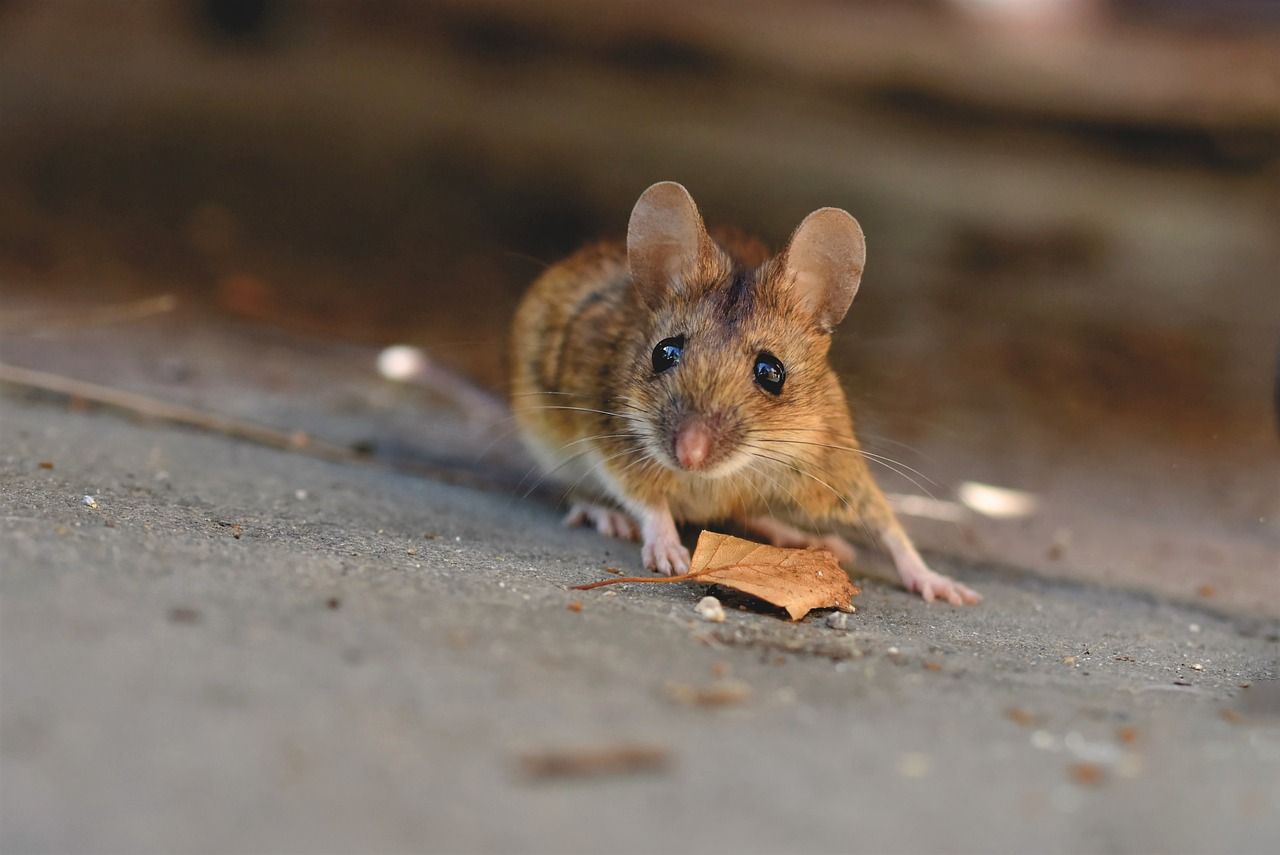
(665,238)
(824,262)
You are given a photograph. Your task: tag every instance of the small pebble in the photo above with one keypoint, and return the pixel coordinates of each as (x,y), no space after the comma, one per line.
(1044,740)
(89,502)
(914,765)
(709,609)
(300,495)
(401,362)
(1196,667)
(838,620)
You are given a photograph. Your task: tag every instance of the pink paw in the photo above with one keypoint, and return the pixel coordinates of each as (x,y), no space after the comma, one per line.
(665,555)
(934,586)
(781,534)
(842,549)
(608,521)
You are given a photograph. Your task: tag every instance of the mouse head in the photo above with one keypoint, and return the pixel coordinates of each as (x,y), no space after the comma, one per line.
(731,354)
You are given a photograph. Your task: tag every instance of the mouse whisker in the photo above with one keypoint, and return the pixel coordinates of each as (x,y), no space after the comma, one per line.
(890,465)
(574,456)
(754,469)
(623,435)
(792,466)
(627,403)
(569,490)
(552,471)
(645,459)
(580,410)
(865,437)
(782,489)
(888,462)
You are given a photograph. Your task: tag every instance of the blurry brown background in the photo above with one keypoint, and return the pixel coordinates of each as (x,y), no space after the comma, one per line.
(1072,210)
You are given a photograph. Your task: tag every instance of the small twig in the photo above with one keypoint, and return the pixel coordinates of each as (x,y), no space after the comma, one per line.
(153,408)
(591,762)
(45,323)
(652,580)
(143,406)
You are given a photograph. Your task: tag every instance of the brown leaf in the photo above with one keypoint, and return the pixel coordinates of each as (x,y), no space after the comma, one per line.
(797,580)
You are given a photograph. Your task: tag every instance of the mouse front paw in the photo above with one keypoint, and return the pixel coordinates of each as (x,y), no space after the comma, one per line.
(919,579)
(665,555)
(934,586)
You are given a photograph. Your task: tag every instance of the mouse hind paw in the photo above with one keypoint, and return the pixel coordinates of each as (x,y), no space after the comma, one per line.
(610,522)
(781,534)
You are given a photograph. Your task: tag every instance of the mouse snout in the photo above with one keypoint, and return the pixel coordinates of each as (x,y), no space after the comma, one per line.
(702,440)
(693,443)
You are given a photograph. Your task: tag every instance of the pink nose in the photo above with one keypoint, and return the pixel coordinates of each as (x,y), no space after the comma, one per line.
(693,444)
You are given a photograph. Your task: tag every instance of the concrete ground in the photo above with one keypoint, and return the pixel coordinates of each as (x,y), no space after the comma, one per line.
(241,649)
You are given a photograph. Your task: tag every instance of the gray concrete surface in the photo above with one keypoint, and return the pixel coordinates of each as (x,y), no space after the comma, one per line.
(166,686)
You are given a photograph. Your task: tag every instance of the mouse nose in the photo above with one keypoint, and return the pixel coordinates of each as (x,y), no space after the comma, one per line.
(693,444)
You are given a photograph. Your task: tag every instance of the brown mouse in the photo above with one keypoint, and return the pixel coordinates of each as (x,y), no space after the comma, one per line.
(683,377)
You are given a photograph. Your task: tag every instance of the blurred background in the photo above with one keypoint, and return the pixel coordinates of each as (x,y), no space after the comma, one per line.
(1072,210)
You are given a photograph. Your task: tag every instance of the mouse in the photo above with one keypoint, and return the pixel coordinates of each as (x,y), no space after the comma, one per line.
(682,377)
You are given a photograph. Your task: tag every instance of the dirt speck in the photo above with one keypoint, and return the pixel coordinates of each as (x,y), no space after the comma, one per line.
(1086,774)
(184,615)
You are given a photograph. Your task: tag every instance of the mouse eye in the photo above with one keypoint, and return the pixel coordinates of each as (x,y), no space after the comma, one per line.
(770,374)
(667,354)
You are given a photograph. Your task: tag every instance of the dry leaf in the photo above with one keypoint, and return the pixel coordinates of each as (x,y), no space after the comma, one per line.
(797,580)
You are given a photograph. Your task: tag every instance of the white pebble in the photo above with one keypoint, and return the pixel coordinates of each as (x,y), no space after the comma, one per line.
(838,620)
(914,764)
(300,495)
(89,502)
(709,609)
(1044,740)
(401,362)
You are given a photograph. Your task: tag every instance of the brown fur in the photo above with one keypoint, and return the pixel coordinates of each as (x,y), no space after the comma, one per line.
(700,440)
(582,339)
